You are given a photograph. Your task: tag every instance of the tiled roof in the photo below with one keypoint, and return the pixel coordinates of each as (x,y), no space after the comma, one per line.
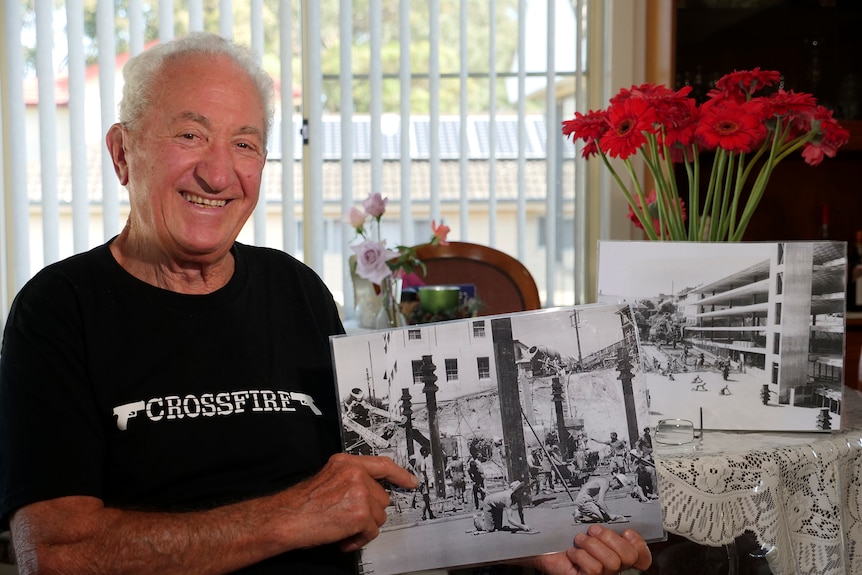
(477,173)
(478,178)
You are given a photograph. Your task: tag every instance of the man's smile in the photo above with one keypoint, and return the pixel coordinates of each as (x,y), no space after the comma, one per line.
(203,202)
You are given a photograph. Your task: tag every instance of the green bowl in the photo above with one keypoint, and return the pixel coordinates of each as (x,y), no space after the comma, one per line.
(435,299)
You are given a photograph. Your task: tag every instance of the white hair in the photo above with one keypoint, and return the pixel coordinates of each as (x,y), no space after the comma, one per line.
(142,73)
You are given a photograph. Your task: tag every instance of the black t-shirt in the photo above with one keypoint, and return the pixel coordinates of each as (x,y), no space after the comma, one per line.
(154,400)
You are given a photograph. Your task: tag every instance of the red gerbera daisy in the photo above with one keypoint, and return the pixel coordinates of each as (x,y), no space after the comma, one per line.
(783,103)
(796,109)
(832,136)
(628,121)
(730,126)
(647,92)
(587,127)
(741,85)
(680,121)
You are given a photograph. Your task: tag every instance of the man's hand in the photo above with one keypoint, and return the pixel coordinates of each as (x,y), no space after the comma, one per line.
(600,551)
(345,501)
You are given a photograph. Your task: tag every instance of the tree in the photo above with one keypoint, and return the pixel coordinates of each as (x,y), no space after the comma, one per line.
(150,12)
(448,98)
(667,307)
(121,27)
(449,54)
(449,57)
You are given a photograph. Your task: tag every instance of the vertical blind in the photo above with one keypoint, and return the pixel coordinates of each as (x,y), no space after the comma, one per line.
(461,127)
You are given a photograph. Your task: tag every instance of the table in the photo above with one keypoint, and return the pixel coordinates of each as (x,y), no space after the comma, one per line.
(799,493)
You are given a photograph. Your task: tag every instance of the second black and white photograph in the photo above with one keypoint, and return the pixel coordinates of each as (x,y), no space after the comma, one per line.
(523,430)
(736,336)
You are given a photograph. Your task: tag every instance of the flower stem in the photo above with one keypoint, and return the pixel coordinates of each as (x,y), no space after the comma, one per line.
(695,222)
(737,193)
(724,222)
(777,152)
(713,195)
(678,231)
(638,211)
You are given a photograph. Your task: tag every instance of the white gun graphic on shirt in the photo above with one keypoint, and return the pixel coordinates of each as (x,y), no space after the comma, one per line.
(306,400)
(126,411)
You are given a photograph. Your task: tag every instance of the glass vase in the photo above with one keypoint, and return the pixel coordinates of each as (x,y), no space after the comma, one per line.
(366,301)
(390,314)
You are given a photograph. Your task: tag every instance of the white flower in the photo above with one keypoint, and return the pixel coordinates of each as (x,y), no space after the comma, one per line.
(371,260)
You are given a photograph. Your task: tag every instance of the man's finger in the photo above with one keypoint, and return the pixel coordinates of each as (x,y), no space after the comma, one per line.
(381,467)
(644,554)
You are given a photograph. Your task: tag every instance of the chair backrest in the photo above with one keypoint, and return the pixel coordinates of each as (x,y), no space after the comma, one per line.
(503,284)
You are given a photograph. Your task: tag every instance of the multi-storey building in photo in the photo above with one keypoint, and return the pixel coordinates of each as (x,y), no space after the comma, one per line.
(784,315)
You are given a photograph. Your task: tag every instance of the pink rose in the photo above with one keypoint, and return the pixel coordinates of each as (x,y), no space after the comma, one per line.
(375,205)
(371,258)
(440,232)
(356,219)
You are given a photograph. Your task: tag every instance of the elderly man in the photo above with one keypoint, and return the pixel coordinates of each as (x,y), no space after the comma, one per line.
(167,398)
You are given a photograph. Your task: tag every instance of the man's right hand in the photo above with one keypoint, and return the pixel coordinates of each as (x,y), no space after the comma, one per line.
(344,501)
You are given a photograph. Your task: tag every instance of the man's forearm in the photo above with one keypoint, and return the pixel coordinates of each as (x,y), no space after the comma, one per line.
(343,503)
(79,535)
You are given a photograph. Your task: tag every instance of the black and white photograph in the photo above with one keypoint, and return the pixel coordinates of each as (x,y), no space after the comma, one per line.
(736,336)
(523,429)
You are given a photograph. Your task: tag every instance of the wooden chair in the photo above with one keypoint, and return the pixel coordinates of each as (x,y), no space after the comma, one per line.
(503,284)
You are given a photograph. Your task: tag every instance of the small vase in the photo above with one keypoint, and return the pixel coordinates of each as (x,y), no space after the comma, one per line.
(390,314)
(367,302)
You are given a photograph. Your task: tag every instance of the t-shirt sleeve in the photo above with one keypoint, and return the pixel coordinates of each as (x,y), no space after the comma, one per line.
(46,404)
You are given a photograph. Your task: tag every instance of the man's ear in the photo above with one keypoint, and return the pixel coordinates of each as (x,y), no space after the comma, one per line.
(116,142)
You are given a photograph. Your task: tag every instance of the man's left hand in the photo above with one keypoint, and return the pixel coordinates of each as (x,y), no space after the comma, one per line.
(600,551)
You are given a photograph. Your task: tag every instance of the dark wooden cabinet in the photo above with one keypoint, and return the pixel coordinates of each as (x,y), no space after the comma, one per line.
(815,45)
(853,350)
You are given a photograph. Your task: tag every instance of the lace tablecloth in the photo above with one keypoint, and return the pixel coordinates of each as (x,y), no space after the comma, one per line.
(800,494)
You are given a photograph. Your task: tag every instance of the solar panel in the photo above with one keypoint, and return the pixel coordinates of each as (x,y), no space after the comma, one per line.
(478,138)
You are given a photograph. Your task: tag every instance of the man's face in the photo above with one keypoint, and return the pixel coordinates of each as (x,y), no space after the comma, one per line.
(194,163)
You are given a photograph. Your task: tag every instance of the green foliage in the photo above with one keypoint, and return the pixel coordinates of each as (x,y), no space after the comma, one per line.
(121,27)
(478,45)
(449,55)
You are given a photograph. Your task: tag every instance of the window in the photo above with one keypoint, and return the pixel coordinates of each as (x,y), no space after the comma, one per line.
(478,329)
(451,370)
(416,366)
(414,334)
(484,367)
(475,144)
(565,230)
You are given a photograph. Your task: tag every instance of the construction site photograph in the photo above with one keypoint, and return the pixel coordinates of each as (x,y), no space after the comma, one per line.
(523,430)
